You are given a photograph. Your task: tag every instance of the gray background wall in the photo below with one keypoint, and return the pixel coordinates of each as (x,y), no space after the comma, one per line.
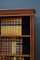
(11,4)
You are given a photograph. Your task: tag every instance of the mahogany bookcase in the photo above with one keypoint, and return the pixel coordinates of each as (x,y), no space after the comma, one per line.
(27,31)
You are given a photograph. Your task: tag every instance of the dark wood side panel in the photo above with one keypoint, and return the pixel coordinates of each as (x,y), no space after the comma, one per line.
(32,38)
(0,26)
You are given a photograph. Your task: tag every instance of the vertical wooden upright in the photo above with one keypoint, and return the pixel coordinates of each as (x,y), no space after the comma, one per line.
(32,37)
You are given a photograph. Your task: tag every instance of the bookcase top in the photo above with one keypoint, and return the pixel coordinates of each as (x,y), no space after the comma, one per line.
(17,12)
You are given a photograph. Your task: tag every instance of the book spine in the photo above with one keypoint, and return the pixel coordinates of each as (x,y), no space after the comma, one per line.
(14,47)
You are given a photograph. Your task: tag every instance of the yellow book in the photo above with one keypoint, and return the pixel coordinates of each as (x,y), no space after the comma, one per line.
(20,20)
(19,30)
(17,27)
(13,27)
(16,30)
(14,47)
(3,31)
(12,30)
(8,30)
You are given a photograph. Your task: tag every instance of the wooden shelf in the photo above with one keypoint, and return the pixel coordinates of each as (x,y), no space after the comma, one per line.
(16,36)
(5,55)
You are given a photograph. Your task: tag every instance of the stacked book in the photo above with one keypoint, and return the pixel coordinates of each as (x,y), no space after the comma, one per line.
(6,45)
(11,46)
(11,26)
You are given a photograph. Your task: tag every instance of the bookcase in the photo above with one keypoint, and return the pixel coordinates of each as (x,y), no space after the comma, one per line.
(17,34)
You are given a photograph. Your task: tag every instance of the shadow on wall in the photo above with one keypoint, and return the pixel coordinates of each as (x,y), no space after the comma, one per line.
(37,37)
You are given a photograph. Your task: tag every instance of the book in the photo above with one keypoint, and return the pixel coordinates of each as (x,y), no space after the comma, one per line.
(14,47)
(20,21)
(6,47)
(16,30)
(9,47)
(8,30)
(13,30)
(20,30)
(11,26)
(19,46)
(3,30)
